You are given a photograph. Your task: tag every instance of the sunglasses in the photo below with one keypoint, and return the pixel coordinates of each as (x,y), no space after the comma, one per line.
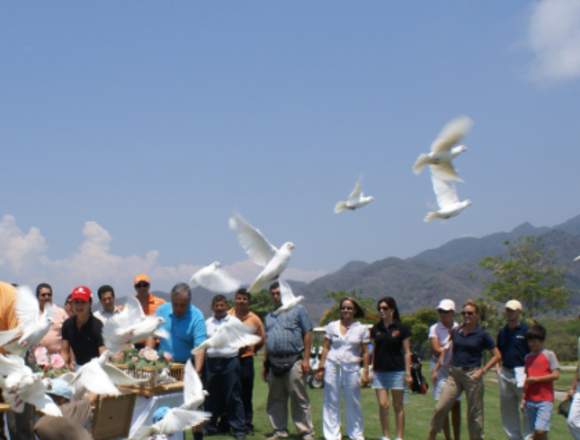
(383,308)
(468,313)
(138,285)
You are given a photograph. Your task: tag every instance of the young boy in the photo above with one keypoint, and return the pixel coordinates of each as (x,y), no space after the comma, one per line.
(542,369)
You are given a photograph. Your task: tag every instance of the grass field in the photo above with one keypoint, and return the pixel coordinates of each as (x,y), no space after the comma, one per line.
(418,412)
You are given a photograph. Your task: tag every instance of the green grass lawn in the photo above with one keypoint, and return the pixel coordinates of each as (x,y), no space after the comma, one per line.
(418,411)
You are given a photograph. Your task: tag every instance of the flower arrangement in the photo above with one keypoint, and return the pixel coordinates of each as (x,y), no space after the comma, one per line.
(51,365)
(144,359)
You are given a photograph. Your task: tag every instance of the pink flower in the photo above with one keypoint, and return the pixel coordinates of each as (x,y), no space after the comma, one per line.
(150,354)
(56,361)
(41,356)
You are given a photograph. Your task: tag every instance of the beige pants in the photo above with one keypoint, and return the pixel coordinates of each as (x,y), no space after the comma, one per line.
(457,382)
(290,385)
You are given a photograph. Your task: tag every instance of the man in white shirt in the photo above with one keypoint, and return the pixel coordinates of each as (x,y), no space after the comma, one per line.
(222,378)
(107,300)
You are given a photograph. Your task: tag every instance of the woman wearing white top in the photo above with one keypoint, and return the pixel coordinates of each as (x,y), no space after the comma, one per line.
(344,347)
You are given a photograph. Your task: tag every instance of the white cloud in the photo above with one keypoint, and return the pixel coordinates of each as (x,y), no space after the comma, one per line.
(24,259)
(554,38)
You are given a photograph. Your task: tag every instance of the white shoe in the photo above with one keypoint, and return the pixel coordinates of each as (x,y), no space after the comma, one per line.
(385,438)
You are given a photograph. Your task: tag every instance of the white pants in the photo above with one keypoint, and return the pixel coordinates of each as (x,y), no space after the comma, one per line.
(574,416)
(510,397)
(343,378)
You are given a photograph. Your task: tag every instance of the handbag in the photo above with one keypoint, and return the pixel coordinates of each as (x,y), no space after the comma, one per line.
(564,407)
(280,365)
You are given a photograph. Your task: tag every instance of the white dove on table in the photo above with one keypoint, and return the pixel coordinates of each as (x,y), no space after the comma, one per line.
(32,325)
(131,325)
(231,334)
(355,200)
(20,385)
(447,199)
(213,278)
(287,298)
(183,417)
(444,149)
(274,261)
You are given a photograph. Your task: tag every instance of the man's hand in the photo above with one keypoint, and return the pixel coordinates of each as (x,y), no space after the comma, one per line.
(478,374)
(305,366)
(530,380)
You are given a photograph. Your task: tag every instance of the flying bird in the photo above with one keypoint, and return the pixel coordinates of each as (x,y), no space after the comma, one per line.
(355,200)
(20,385)
(32,325)
(131,325)
(261,252)
(577,258)
(213,278)
(447,199)
(444,149)
(183,417)
(231,334)
(287,298)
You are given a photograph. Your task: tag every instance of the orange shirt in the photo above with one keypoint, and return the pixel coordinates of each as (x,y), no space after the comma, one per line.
(152,303)
(8,319)
(251,320)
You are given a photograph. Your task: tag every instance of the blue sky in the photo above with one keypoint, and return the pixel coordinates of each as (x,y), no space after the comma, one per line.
(157,120)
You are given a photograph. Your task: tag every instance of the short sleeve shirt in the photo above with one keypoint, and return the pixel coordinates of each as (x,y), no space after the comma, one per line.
(388,354)
(468,348)
(513,345)
(186,332)
(346,348)
(540,364)
(84,342)
(443,335)
(285,331)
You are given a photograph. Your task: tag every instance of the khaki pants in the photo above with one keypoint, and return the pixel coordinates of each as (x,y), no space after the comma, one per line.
(515,422)
(457,382)
(290,385)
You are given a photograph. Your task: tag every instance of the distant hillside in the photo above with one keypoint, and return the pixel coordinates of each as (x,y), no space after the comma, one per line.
(451,270)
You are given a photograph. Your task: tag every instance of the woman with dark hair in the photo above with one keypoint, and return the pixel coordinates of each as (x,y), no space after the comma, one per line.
(466,373)
(344,347)
(391,364)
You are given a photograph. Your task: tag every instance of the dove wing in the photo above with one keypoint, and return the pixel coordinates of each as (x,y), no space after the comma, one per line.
(119,377)
(286,293)
(356,192)
(193,395)
(27,308)
(239,334)
(445,191)
(446,171)
(577,258)
(258,248)
(11,364)
(9,336)
(216,280)
(143,433)
(93,378)
(178,420)
(38,398)
(451,134)
(134,310)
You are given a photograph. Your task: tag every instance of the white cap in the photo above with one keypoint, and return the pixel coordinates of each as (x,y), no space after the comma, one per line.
(513,304)
(446,304)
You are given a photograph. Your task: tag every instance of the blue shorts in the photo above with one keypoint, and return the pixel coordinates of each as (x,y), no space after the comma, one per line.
(539,415)
(389,380)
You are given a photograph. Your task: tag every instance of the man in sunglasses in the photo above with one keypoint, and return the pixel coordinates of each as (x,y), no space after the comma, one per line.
(149,302)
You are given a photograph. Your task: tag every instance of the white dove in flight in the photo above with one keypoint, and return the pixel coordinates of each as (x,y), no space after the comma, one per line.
(261,252)
(444,149)
(20,385)
(131,325)
(183,417)
(355,200)
(287,298)
(577,258)
(232,334)
(32,325)
(213,278)
(447,199)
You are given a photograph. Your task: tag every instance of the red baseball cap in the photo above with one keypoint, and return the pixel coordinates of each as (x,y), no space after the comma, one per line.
(81,293)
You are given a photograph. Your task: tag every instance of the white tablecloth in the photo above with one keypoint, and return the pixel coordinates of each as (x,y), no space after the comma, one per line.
(146,406)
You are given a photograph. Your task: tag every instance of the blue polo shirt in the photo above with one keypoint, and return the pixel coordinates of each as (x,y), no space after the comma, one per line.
(285,331)
(187,331)
(513,345)
(468,349)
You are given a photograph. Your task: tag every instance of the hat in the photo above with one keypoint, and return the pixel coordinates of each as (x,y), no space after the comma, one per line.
(513,304)
(60,387)
(159,413)
(446,305)
(141,278)
(81,293)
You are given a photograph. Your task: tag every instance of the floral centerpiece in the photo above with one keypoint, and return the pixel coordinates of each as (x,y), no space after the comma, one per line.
(142,364)
(52,365)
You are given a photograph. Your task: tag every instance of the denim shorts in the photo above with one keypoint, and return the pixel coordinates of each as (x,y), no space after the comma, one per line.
(539,415)
(389,380)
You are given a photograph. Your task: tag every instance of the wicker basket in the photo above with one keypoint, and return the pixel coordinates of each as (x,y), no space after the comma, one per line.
(176,371)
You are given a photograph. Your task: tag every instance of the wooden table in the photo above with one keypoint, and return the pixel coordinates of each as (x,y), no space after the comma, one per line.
(158,390)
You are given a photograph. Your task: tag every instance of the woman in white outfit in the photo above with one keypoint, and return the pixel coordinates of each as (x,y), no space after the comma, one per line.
(344,347)
(574,415)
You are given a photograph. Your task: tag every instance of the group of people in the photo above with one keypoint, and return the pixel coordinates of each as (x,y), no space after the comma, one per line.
(525,370)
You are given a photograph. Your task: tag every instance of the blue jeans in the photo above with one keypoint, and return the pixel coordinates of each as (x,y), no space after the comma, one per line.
(223,385)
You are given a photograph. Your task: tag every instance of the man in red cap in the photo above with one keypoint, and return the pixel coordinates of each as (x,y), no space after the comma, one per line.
(149,302)
(82,333)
